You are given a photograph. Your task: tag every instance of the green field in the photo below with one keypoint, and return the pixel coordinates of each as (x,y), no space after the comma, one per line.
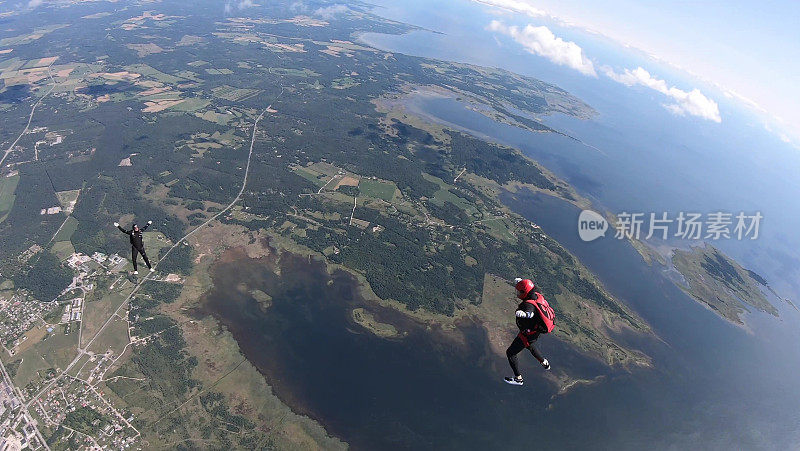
(500,228)
(148,71)
(55,351)
(232,94)
(7,187)
(380,190)
(311,176)
(69,227)
(114,336)
(215,117)
(344,83)
(444,194)
(190,105)
(154,242)
(305,73)
(68,198)
(215,71)
(62,249)
(11,64)
(97,311)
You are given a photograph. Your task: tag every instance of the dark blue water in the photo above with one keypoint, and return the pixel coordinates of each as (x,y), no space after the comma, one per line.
(735,388)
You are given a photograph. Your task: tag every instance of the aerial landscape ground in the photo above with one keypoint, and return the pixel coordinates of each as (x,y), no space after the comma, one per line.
(265,147)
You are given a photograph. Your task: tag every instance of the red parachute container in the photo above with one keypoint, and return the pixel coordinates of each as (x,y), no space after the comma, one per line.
(545,312)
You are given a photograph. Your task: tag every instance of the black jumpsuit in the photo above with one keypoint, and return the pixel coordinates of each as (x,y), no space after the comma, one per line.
(529,327)
(137,245)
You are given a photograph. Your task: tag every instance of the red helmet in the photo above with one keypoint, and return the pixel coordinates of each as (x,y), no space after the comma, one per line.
(524,287)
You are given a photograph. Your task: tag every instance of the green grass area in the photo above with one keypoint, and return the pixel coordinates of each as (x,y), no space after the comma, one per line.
(190,105)
(500,228)
(304,73)
(97,311)
(215,71)
(344,83)
(81,363)
(168,95)
(69,227)
(32,363)
(68,198)
(198,63)
(8,185)
(156,74)
(55,351)
(215,117)
(189,75)
(324,168)
(377,189)
(232,94)
(59,349)
(444,194)
(311,176)
(11,64)
(114,336)
(62,249)
(153,243)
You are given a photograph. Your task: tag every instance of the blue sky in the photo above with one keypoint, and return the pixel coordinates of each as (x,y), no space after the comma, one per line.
(747,48)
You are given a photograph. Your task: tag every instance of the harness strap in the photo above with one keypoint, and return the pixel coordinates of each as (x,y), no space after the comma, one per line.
(524,339)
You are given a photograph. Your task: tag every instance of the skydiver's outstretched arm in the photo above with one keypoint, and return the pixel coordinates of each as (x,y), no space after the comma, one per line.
(126,232)
(146,225)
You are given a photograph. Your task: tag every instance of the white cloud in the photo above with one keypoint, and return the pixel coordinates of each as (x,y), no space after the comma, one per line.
(298,6)
(693,103)
(240,5)
(329,12)
(541,41)
(34,3)
(520,6)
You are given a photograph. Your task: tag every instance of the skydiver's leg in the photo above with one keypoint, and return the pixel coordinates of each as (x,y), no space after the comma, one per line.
(536,352)
(134,257)
(516,347)
(144,257)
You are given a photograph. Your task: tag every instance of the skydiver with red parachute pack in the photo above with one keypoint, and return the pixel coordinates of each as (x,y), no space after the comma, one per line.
(534,316)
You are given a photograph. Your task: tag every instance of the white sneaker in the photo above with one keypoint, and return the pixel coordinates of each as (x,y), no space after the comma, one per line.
(136,272)
(513,380)
(152,270)
(546,364)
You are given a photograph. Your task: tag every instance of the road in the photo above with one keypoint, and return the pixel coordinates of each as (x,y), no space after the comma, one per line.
(30,118)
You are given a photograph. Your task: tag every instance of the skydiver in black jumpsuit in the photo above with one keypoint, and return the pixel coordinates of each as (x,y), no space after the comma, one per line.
(137,244)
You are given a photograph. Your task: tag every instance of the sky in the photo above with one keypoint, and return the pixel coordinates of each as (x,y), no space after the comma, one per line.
(748,49)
